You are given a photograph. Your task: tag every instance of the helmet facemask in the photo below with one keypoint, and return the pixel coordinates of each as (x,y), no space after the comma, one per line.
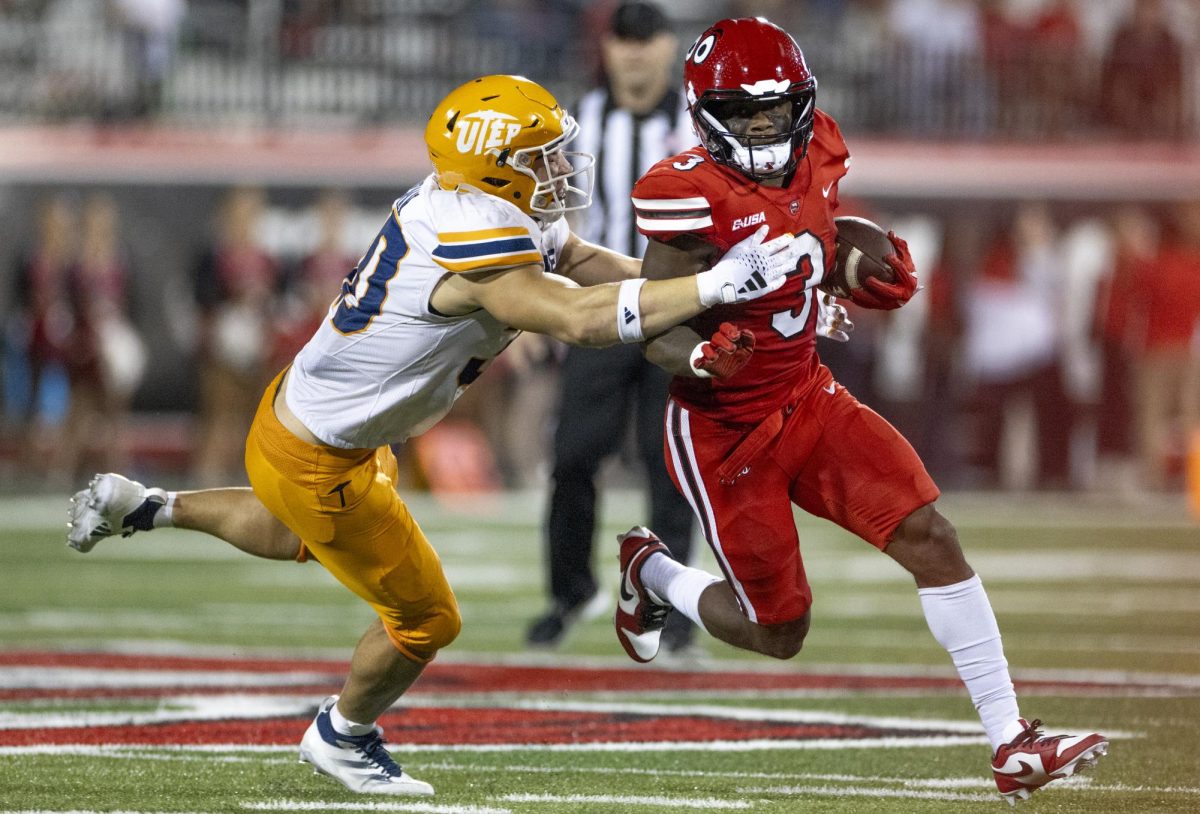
(555,194)
(722,120)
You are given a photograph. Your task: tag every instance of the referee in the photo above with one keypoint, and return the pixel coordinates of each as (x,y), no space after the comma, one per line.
(636,119)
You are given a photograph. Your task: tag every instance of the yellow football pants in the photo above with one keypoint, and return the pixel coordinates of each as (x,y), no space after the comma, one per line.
(343,506)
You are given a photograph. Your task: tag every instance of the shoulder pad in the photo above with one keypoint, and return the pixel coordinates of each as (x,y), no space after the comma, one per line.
(478,232)
(673,197)
(827,137)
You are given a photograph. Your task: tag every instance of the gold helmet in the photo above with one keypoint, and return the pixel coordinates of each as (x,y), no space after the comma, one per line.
(504,135)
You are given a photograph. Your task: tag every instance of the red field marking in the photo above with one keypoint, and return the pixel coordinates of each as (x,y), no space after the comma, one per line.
(450,677)
(442,724)
(165,691)
(474,726)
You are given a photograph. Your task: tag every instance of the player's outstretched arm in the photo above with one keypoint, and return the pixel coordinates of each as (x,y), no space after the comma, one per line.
(530,300)
(589,264)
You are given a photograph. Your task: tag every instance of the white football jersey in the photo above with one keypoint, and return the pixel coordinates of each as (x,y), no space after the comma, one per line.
(385,366)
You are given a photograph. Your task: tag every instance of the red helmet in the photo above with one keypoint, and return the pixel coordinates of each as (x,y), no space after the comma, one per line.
(738,69)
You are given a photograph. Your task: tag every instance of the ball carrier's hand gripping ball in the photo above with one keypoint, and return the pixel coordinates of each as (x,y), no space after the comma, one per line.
(872,267)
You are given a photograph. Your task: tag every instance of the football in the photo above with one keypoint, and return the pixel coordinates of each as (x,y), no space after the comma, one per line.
(861,247)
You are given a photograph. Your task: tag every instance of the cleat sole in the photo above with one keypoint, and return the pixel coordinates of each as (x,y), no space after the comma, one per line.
(1013,797)
(1085,761)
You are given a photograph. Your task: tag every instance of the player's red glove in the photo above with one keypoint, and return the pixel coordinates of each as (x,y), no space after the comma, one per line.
(877,294)
(725,354)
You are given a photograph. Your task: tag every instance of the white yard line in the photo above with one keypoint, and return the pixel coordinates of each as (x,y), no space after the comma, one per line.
(133,751)
(416,807)
(780,777)
(789,783)
(176,709)
(82,678)
(633,800)
(872,791)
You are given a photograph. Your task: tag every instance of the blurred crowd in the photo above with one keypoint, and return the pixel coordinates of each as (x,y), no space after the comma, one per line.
(975,68)
(1052,351)
(1049,349)
(73,357)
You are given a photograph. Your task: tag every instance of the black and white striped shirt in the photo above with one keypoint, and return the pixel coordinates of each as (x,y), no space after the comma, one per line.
(625,146)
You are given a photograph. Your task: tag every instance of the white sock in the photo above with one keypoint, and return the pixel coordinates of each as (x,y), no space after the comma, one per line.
(345,726)
(164,518)
(678,584)
(961,619)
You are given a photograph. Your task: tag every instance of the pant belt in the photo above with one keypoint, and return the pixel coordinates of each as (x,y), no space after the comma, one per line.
(738,460)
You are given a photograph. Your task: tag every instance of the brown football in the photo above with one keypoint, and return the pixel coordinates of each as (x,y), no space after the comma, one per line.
(861,247)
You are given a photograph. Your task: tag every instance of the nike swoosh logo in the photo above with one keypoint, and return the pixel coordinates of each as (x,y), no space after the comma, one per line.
(830,388)
(1022,768)
(826,189)
(1024,771)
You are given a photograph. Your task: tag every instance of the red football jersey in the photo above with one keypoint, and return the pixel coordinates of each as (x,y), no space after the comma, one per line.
(691,194)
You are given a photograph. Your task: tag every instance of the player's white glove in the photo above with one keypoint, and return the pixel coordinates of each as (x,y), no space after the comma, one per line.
(832,320)
(750,269)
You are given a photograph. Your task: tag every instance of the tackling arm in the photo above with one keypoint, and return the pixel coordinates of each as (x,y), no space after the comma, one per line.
(529,300)
(589,264)
(526,298)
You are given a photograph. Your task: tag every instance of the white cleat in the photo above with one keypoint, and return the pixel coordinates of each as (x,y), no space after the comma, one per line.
(1031,760)
(361,763)
(112,504)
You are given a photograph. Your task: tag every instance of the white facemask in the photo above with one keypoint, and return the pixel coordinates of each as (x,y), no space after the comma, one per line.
(760,160)
(561,192)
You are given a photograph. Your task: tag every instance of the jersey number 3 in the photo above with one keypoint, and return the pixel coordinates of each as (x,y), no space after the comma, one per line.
(791,323)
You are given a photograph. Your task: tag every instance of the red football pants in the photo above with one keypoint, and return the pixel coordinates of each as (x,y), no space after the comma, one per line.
(827,453)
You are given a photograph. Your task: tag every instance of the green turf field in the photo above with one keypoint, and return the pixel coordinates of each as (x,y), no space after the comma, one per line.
(1099,604)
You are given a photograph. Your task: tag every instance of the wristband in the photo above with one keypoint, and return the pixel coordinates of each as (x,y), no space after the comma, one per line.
(695,359)
(629,311)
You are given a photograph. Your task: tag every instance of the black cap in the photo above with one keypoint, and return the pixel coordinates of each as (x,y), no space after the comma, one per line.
(638,21)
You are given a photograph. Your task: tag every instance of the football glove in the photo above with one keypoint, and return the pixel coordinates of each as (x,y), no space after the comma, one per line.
(725,354)
(832,320)
(750,269)
(883,296)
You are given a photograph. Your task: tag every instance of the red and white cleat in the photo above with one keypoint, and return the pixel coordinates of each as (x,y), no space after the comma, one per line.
(640,614)
(1031,760)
